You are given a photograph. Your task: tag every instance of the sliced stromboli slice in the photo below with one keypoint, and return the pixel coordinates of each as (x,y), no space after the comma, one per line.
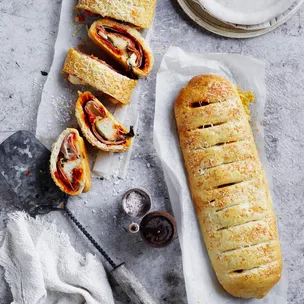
(139,13)
(69,164)
(124,44)
(89,70)
(99,126)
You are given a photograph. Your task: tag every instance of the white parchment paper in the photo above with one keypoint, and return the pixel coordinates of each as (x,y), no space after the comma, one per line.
(176,69)
(57,108)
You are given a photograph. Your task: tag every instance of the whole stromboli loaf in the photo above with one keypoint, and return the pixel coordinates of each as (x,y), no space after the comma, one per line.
(228,187)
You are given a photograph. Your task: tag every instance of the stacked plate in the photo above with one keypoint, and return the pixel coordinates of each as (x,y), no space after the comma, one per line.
(240,18)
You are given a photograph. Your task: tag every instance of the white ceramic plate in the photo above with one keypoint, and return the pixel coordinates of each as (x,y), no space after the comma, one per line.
(205,20)
(246,12)
(285,16)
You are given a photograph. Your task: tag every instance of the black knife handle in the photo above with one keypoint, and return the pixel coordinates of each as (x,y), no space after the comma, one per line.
(90,238)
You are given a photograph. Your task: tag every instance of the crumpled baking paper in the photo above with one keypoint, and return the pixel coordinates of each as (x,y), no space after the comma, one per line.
(57,107)
(176,69)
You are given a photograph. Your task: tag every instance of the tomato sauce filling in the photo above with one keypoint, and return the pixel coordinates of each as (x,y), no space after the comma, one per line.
(133,46)
(94,113)
(69,152)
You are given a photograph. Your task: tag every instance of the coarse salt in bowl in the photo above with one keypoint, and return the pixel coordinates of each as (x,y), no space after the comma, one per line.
(136,202)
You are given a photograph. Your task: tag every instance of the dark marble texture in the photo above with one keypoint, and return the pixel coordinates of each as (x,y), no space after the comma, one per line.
(24,164)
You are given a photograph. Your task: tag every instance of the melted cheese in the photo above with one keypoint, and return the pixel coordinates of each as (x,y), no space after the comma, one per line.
(75,80)
(68,167)
(132,60)
(106,127)
(102,34)
(120,43)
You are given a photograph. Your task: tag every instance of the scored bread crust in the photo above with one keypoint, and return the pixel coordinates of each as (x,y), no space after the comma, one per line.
(99,75)
(147,53)
(86,182)
(86,166)
(137,12)
(228,187)
(86,131)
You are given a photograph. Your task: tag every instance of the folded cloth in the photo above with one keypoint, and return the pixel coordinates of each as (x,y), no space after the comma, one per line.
(41,266)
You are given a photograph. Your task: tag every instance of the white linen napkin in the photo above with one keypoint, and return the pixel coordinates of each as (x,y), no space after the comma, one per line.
(41,266)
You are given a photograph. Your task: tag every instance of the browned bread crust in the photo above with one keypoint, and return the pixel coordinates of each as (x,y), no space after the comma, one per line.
(228,187)
(137,12)
(99,75)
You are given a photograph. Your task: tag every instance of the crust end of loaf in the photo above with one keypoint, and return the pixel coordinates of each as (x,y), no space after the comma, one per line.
(257,285)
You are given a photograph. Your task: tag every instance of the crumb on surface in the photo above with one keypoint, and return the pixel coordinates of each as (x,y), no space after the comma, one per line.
(247,97)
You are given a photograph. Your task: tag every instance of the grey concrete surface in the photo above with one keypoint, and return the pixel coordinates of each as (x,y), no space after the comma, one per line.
(27,34)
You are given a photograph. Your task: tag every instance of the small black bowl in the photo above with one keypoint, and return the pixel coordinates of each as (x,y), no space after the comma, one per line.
(158,229)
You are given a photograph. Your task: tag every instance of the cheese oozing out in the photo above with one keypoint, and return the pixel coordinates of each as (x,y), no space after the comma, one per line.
(68,167)
(132,60)
(75,80)
(69,162)
(102,34)
(121,44)
(106,128)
